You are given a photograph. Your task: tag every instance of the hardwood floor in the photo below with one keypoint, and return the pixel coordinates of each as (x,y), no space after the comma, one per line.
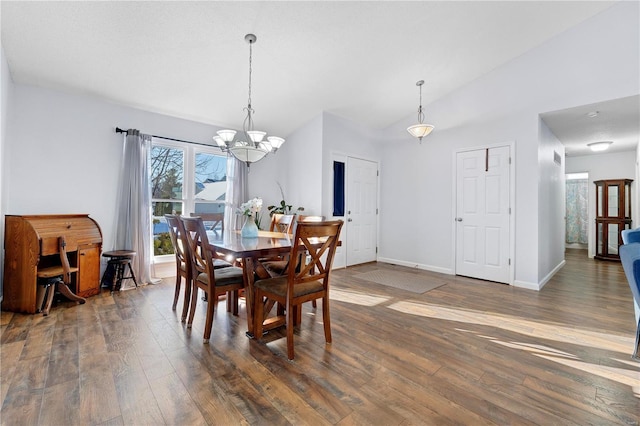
(467,352)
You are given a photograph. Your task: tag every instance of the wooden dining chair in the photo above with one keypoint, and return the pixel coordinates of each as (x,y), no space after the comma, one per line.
(282,223)
(216,220)
(319,241)
(183,262)
(213,282)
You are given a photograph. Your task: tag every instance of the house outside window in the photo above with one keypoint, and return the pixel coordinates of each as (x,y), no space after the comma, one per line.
(184,179)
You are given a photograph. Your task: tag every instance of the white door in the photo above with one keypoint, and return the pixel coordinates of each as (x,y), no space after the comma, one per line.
(482,214)
(362,204)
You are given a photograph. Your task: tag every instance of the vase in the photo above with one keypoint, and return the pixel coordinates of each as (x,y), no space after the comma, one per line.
(249,229)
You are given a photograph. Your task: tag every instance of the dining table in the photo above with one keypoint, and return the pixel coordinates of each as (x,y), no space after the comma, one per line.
(250,251)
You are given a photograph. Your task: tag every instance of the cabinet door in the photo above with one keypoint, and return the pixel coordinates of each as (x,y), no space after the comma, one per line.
(88,271)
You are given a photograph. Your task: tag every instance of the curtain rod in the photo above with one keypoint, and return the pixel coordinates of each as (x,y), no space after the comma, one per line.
(119,130)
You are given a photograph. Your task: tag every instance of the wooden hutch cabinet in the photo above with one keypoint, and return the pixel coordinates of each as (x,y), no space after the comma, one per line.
(613,214)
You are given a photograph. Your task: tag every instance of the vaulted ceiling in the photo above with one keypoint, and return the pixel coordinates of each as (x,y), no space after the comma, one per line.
(359,60)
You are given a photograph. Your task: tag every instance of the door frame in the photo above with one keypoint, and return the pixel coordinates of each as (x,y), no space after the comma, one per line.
(340,259)
(512,202)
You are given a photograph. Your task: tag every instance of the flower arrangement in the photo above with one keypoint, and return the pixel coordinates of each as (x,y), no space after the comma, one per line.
(251,208)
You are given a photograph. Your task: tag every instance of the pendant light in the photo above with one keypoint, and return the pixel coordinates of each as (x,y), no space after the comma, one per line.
(420,130)
(249,145)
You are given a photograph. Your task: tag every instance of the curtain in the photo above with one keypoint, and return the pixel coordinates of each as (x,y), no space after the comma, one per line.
(133,207)
(236,192)
(577,211)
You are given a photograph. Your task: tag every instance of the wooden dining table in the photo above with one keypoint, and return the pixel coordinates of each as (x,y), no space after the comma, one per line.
(250,251)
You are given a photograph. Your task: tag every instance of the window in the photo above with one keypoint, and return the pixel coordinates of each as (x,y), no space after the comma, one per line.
(185,179)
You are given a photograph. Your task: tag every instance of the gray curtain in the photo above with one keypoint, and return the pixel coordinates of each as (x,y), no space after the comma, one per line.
(236,192)
(133,207)
(577,211)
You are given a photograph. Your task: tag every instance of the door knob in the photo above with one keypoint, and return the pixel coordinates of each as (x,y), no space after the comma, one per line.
(458,219)
(349,220)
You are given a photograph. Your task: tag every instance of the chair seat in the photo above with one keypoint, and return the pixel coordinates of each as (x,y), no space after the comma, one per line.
(224,276)
(278,286)
(219,264)
(276,267)
(53,271)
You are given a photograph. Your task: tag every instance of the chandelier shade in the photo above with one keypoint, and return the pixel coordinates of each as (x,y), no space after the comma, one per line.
(421,129)
(249,145)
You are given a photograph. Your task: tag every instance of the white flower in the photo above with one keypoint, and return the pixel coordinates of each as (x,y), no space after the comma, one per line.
(251,207)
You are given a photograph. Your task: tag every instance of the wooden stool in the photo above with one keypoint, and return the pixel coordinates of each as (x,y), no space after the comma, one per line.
(118,262)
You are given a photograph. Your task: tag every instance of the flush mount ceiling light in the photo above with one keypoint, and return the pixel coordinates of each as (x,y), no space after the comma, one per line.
(420,130)
(599,146)
(250,146)
(593,114)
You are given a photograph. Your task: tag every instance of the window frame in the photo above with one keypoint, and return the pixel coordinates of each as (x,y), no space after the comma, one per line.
(188,199)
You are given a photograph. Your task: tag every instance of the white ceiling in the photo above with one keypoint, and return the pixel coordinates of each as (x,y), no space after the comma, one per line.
(617,120)
(359,60)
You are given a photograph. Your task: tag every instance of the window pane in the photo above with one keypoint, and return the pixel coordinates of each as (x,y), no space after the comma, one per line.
(161,239)
(167,171)
(210,177)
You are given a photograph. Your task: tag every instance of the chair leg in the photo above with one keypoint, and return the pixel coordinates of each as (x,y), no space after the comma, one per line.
(187,298)
(326,319)
(314,304)
(192,309)
(290,318)
(50,289)
(176,293)
(66,292)
(208,323)
(258,312)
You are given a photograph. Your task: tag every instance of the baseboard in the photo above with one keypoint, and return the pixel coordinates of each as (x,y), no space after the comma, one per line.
(550,275)
(431,268)
(526,285)
(538,286)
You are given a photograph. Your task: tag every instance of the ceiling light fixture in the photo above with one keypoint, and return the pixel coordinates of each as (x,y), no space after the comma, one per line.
(420,130)
(599,146)
(593,114)
(250,146)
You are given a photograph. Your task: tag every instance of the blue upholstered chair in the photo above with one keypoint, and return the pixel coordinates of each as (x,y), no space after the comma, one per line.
(630,257)
(630,236)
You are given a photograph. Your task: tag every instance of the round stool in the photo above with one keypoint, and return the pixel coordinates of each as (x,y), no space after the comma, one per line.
(116,267)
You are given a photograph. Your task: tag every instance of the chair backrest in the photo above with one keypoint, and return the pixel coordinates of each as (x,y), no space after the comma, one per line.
(306,218)
(176,232)
(630,258)
(64,260)
(315,242)
(630,236)
(214,218)
(282,223)
(198,247)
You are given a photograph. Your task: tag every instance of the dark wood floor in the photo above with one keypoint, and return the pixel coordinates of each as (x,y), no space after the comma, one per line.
(468,352)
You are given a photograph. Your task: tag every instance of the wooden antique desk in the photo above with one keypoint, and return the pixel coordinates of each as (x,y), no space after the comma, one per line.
(31,242)
(251,250)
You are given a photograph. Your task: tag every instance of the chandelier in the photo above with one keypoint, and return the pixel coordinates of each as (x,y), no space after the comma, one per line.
(250,145)
(420,130)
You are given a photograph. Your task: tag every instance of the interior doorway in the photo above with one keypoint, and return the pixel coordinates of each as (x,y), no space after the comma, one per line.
(577,211)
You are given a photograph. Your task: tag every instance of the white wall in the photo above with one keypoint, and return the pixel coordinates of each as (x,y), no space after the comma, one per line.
(551,201)
(595,61)
(619,165)
(6,94)
(63,155)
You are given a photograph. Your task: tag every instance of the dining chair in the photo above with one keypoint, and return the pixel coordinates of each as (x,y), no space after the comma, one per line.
(183,262)
(215,219)
(282,223)
(213,282)
(279,266)
(319,241)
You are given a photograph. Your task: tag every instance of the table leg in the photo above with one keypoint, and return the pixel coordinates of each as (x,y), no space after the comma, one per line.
(248,269)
